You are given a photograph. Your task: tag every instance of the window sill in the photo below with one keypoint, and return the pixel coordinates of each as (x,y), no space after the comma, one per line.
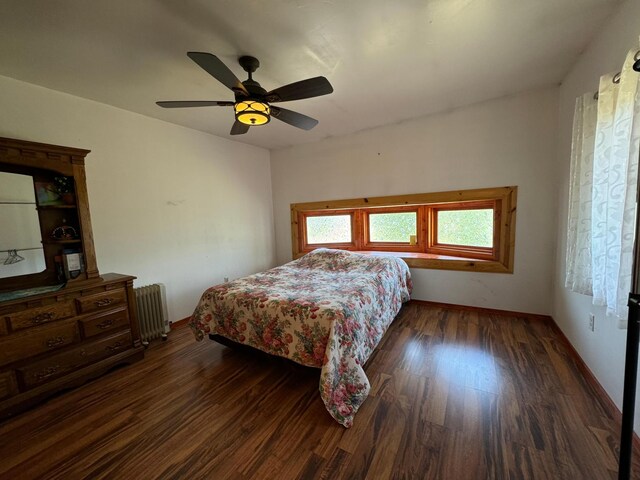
(443,262)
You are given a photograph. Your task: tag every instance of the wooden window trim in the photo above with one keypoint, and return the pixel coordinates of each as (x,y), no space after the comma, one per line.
(499,260)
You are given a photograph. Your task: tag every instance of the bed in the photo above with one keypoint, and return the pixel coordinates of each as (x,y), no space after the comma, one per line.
(328,309)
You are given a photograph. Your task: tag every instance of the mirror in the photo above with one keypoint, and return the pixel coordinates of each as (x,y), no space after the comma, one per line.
(21,251)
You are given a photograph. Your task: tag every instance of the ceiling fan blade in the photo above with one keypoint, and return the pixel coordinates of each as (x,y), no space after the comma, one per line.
(239,128)
(218,70)
(293,118)
(311,87)
(193,103)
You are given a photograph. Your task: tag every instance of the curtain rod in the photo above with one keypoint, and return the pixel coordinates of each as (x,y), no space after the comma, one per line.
(616,77)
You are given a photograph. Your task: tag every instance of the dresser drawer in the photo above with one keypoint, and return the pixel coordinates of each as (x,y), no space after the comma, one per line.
(56,365)
(37,316)
(104,322)
(101,301)
(37,340)
(8,385)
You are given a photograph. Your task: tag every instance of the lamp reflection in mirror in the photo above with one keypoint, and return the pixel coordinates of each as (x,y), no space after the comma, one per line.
(252,112)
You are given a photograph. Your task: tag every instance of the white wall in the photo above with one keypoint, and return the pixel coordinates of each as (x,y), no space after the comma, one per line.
(168,204)
(509,141)
(602,350)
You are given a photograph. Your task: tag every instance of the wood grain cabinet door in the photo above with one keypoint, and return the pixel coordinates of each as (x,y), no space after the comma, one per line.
(37,340)
(104,322)
(40,315)
(101,301)
(57,365)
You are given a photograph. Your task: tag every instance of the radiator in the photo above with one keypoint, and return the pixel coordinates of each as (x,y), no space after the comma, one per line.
(152,312)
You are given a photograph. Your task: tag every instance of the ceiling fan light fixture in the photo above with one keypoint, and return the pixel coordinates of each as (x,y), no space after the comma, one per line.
(251,105)
(252,112)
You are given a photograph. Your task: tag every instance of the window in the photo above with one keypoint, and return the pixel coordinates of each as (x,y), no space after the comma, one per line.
(397,227)
(469,227)
(326,229)
(463,230)
(391,228)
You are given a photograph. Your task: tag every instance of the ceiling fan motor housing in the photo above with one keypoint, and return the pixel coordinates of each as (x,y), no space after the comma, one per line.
(252,110)
(249,64)
(254,89)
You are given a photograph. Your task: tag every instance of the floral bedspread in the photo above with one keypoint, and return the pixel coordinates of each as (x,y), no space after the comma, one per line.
(328,309)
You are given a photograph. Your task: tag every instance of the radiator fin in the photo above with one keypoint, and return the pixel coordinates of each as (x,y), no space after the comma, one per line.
(152,311)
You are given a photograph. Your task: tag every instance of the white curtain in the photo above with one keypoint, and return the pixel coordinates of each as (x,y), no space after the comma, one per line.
(607,97)
(578,277)
(602,197)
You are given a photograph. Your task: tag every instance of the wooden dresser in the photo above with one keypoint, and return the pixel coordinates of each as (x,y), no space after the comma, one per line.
(58,340)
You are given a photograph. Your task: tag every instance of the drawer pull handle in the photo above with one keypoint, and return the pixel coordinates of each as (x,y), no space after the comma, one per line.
(105,324)
(104,302)
(43,317)
(47,372)
(114,347)
(54,342)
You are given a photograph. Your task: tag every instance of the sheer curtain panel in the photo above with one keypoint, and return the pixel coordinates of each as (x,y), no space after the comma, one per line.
(602,196)
(578,258)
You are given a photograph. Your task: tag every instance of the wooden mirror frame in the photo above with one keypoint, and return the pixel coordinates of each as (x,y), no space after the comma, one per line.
(43,160)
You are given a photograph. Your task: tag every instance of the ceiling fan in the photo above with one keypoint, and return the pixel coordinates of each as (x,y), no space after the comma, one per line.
(252,103)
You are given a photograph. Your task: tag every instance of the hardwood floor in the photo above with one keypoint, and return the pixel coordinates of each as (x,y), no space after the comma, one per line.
(455,395)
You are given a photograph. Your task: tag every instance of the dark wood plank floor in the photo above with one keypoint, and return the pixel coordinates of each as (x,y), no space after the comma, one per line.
(455,395)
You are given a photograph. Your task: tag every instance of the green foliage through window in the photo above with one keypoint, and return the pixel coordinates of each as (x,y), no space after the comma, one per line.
(392,227)
(329,229)
(466,227)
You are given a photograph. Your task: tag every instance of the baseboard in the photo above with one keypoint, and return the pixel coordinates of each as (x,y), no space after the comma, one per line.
(179,323)
(605,400)
(489,311)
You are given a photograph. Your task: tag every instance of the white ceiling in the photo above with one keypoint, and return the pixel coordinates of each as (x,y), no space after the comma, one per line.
(387,60)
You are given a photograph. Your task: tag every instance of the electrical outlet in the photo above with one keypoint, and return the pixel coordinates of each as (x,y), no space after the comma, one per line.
(226,279)
(592,322)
